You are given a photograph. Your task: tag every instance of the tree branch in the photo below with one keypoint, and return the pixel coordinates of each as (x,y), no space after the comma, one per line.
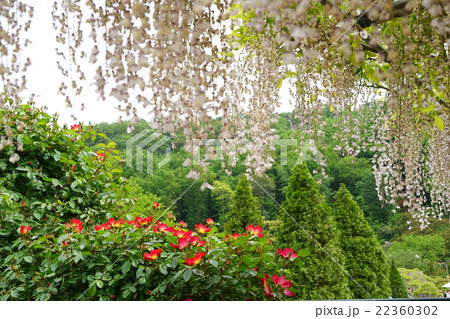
(398,10)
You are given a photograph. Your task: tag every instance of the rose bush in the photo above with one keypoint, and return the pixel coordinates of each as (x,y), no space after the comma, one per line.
(142,260)
(67,233)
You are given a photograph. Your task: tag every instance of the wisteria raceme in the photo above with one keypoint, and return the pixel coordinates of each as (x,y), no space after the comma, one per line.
(190,61)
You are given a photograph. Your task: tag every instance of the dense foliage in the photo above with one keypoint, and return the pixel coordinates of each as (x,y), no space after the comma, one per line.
(66,233)
(397,283)
(141,259)
(307,221)
(422,252)
(49,173)
(364,258)
(420,284)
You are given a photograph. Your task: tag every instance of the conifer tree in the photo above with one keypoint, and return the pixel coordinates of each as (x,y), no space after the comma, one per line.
(307,224)
(244,209)
(364,258)
(398,286)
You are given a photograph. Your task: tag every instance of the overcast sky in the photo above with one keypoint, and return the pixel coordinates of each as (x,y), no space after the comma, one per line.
(44,78)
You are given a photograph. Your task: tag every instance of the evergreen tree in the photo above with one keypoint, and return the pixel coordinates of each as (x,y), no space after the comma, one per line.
(398,286)
(307,224)
(244,209)
(364,258)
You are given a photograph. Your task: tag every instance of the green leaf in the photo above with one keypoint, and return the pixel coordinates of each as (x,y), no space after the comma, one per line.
(92,290)
(187,274)
(126,267)
(304,253)
(100,284)
(28,259)
(163,269)
(214,263)
(56,182)
(288,74)
(439,122)
(139,272)
(14,294)
(178,274)
(174,262)
(241,240)
(248,260)
(280,83)
(38,214)
(172,239)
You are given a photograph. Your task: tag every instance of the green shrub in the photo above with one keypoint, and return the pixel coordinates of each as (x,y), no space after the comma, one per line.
(67,233)
(307,223)
(364,258)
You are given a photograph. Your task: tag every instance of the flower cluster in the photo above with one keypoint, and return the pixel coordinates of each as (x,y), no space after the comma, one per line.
(153,254)
(202,229)
(255,230)
(101,156)
(280,282)
(194,261)
(112,223)
(75,224)
(177,255)
(287,253)
(24,229)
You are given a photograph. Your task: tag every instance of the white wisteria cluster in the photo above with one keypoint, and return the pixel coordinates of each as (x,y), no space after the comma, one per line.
(189,61)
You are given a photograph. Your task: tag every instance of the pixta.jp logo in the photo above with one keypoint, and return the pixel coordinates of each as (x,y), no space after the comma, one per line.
(144,146)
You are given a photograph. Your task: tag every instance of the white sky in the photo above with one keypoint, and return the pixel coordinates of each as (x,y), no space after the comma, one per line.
(44,78)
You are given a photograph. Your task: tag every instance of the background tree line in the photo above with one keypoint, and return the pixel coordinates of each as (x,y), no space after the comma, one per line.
(400,241)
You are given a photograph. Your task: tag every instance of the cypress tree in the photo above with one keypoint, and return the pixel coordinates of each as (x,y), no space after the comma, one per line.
(244,209)
(398,286)
(307,224)
(364,257)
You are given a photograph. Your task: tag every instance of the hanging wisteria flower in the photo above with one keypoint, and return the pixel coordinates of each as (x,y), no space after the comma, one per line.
(14,158)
